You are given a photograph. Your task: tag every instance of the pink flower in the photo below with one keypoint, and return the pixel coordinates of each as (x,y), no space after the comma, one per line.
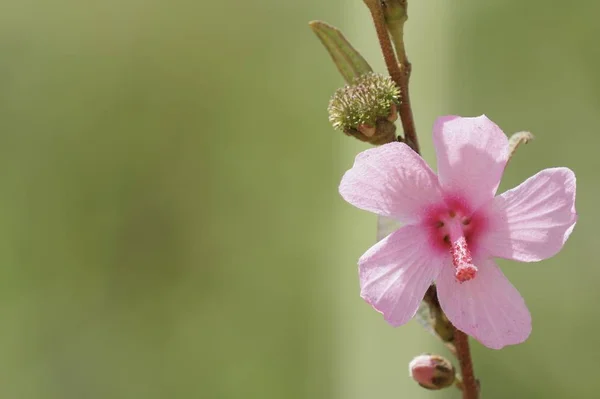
(454,226)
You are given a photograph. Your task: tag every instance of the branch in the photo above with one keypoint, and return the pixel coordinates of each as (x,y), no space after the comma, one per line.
(399,72)
(469,384)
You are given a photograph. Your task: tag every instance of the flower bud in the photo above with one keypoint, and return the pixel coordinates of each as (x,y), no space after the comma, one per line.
(366,109)
(394,11)
(432,371)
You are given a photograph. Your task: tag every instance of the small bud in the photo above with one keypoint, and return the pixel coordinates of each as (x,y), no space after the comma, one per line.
(432,371)
(394,11)
(366,109)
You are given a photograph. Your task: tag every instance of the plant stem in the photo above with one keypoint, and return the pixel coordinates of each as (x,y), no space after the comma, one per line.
(384,40)
(469,384)
(399,72)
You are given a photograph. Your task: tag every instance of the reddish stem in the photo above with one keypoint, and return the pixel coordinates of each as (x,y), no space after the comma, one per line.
(400,73)
(469,384)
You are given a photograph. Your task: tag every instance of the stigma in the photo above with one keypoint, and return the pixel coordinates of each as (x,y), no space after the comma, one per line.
(453,226)
(462,260)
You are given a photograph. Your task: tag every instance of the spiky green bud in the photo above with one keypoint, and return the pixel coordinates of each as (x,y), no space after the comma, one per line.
(363,108)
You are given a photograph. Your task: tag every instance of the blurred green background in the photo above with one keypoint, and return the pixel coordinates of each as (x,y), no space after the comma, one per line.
(170,225)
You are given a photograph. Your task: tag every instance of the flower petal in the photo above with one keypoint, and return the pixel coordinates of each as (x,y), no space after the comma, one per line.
(532,222)
(488,307)
(471,155)
(396,272)
(391,180)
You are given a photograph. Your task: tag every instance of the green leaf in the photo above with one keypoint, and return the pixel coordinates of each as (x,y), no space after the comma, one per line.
(348,61)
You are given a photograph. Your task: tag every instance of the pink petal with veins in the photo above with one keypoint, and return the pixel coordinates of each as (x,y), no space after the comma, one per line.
(396,272)
(391,180)
(532,222)
(471,156)
(488,307)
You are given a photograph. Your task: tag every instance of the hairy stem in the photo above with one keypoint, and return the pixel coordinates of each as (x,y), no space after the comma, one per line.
(469,384)
(399,72)
(384,40)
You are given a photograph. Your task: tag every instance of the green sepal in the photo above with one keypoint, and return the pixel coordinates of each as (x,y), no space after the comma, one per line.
(516,140)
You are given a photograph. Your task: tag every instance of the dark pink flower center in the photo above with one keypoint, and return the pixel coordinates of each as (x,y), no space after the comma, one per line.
(453,230)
